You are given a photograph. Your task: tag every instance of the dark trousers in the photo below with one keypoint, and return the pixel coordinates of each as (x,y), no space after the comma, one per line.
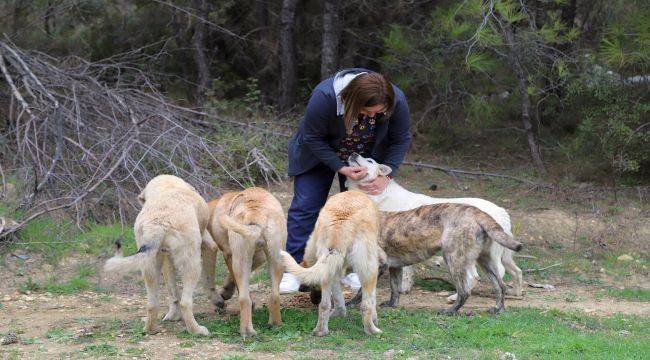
(310,192)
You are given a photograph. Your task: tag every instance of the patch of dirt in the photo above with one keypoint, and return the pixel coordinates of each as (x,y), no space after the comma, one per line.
(630,229)
(33,315)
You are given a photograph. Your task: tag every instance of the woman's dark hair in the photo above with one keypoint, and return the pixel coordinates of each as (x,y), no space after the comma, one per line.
(363,91)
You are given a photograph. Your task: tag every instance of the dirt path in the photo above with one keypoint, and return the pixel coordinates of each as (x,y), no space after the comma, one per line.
(76,316)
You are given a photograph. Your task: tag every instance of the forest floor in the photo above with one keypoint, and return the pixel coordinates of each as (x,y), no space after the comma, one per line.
(590,245)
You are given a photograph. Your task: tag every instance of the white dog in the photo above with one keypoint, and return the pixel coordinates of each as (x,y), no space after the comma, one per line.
(396,198)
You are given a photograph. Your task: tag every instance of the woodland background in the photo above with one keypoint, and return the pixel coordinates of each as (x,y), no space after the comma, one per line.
(99,96)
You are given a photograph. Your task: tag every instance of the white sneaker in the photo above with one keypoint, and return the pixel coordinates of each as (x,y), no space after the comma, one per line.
(289,284)
(351,280)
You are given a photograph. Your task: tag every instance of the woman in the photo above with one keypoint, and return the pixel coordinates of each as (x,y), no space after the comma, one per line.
(354,111)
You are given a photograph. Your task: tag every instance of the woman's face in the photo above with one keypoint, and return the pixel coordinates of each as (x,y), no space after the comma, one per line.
(372,111)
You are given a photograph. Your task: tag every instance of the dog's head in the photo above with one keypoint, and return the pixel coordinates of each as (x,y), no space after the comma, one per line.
(161,184)
(375,169)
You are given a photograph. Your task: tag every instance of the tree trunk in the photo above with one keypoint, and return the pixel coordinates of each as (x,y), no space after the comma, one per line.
(266,59)
(531,135)
(331,36)
(47,25)
(288,82)
(198,47)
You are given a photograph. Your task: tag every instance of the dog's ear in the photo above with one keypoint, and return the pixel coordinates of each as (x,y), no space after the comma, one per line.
(141,198)
(384,170)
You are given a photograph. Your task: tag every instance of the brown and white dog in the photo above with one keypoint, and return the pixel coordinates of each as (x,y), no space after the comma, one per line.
(249,227)
(345,235)
(169,231)
(463,233)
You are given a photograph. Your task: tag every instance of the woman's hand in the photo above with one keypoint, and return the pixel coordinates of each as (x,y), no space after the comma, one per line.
(376,186)
(354,172)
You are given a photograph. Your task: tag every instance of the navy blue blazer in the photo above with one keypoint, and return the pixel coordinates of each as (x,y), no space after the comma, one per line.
(321,131)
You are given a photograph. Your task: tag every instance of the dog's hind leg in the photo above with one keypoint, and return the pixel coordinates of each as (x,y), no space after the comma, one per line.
(472,280)
(228,287)
(188,261)
(395,285)
(209,260)
(242,263)
(515,271)
(276,269)
(324,309)
(169,274)
(492,272)
(357,298)
(369,302)
(460,275)
(339,299)
(151,275)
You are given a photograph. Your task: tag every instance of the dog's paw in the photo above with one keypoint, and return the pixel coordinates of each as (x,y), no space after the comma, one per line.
(372,330)
(219,303)
(495,310)
(513,294)
(200,330)
(452,298)
(172,315)
(152,330)
(447,312)
(388,303)
(320,332)
(248,332)
(339,312)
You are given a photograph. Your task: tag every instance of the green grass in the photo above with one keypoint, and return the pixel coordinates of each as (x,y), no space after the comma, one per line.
(100,350)
(434,285)
(59,334)
(632,294)
(527,333)
(29,286)
(79,282)
(56,239)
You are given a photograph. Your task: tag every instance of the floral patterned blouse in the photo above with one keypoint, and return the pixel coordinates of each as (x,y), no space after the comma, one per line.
(362,138)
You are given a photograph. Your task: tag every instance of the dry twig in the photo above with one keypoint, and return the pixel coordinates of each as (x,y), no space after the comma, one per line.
(93,134)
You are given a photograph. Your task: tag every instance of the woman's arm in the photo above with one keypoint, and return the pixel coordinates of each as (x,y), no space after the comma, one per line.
(320,112)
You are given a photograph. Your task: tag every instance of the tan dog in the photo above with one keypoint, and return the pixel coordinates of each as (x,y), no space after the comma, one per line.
(168,229)
(249,227)
(345,234)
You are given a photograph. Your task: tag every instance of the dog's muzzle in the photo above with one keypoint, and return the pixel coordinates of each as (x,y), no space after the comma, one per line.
(353,159)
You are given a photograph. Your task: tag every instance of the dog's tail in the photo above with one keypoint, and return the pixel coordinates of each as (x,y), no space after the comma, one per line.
(152,240)
(324,269)
(496,233)
(251,231)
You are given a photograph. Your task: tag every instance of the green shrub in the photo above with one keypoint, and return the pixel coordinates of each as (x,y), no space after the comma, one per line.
(612,133)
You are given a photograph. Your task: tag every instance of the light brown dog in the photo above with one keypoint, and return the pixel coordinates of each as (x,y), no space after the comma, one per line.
(249,227)
(168,229)
(345,234)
